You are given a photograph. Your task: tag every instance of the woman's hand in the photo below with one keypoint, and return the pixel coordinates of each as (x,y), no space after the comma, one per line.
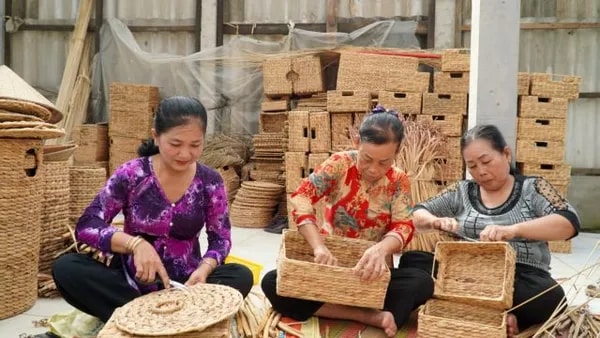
(148,264)
(445,223)
(199,276)
(495,233)
(323,255)
(371,265)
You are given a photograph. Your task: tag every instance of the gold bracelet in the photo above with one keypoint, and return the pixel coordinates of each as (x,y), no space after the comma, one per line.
(128,243)
(209,264)
(135,243)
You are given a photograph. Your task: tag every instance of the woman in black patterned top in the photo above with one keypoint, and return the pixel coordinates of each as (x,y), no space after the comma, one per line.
(500,205)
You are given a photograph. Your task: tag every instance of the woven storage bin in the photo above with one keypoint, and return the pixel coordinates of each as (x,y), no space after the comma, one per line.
(417,82)
(320,132)
(541,128)
(132,108)
(314,160)
(307,77)
(450,125)
(523,84)
(132,96)
(451,147)
(296,169)
(548,85)
(275,77)
(299,277)
(434,103)
(550,152)
(269,105)
(54,213)
(480,274)
(404,103)
(442,319)
(449,169)
(560,246)
(85,184)
(551,172)
(534,106)
(298,131)
(344,101)
(272,122)
(92,141)
(365,71)
(122,149)
(456,60)
(451,82)
(342,126)
(20,210)
(137,124)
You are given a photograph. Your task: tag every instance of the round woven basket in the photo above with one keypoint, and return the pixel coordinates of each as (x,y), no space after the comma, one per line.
(85,183)
(20,207)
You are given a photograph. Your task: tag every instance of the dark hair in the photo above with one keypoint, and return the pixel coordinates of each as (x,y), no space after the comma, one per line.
(173,112)
(488,132)
(381,127)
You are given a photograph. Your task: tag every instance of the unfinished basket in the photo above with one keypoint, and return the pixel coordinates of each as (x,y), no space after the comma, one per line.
(551,172)
(490,285)
(404,103)
(320,132)
(307,77)
(296,169)
(560,246)
(299,277)
(456,60)
(451,82)
(85,184)
(541,151)
(441,319)
(276,82)
(534,106)
(548,85)
(298,138)
(417,82)
(523,84)
(272,122)
(449,125)
(20,210)
(435,103)
(541,129)
(345,101)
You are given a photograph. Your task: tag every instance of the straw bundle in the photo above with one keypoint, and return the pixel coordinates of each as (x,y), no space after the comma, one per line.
(223,150)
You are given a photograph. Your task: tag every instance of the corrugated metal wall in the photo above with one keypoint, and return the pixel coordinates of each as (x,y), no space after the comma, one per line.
(568,52)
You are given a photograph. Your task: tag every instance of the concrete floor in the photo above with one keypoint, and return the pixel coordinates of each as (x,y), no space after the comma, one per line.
(262,247)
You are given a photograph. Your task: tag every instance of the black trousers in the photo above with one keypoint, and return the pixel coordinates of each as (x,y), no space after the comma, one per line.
(410,286)
(98,290)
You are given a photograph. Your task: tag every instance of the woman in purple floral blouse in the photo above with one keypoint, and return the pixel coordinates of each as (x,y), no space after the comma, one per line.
(167,197)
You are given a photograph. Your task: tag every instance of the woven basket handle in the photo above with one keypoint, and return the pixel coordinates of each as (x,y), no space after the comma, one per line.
(36,155)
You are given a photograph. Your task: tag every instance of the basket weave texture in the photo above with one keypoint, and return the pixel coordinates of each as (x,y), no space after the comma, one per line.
(85,183)
(344,101)
(533,106)
(298,135)
(299,277)
(560,246)
(132,108)
(436,103)
(404,103)
(523,84)
(544,85)
(541,129)
(122,149)
(408,83)
(272,122)
(551,172)
(540,151)
(449,125)
(456,60)
(296,169)
(451,82)
(20,211)
(320,132)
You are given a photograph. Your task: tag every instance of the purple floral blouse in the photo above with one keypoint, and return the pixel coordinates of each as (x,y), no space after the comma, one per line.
(172,228)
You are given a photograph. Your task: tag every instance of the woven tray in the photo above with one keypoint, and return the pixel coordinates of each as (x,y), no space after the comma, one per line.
(309,78)
(298,135)
(275,77)
(299,277)
(523,84)
(551,172)
(173,311)
(549,152)
(534,106)
(404,103)
(344,101)
(489,285)
(435,103)
(451,82)
(449,125)
(320,132)
(296,169)
(541,128)
(548,85)
(456,60)
(417,82)
(27,108)
(8,116)
(441,319)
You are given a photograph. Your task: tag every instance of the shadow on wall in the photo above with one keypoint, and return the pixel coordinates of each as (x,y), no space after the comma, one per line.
(584,194)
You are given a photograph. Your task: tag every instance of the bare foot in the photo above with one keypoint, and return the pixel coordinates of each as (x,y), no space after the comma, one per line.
(383,320)
(512,329)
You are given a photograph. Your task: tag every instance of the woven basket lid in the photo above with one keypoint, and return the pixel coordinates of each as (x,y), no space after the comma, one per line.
(175,311)
(30,129)
(13,87)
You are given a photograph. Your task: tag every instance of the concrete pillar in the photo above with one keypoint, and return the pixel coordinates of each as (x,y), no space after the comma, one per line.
(494,65)
(208,34)
(445,22)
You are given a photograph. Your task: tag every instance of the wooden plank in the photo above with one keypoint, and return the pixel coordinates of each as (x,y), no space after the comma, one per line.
(551,25)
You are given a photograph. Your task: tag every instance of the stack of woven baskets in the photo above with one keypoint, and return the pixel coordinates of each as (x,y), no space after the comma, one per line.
(26,119)
(255,204)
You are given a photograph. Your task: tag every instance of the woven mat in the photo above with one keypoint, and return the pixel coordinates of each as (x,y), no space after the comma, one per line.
(6,116)
(27,108)
(29,129)
(172,311)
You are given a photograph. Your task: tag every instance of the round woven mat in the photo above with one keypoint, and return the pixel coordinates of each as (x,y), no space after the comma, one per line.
(35,133)
(6,116)
(174,311)
(257,185)
(27,108)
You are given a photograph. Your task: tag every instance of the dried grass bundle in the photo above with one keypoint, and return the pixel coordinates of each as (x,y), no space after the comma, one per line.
(223,150)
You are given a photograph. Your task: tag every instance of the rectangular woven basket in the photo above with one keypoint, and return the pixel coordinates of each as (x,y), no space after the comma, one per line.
(275,80)
(298,131)
(450,125)
(342,125)
(456,60)
(320,132)
(272,122)
(534,106)
(296,169)
(541,128)
(309,78)
(451,148)
(551,172)
(436,103)
(449,169)
(549,85)
(451,82)
(405,103)
(523,83)
(269,105)
(417,82)
(541,151)
(441,319)
(480,274)
(560,246)
(299,277)
(344,101)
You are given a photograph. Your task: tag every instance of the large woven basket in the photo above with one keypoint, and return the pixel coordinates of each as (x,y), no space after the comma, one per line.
(272,122)
(405,103)
(451,82)
(548,85)
(541,129)
(85,184)
(93,143)
(417,82)
(298,134)
(449,169)
(320,131)
(449,125)
(523,84)
(480,274)
(456,60)
(132,108)
(296,169)
(551,172)
(308,77)
(20,210)
(122,149)
(436,103)
(275,77)
(533,106)
(540,151)
(299,277)
(345,101)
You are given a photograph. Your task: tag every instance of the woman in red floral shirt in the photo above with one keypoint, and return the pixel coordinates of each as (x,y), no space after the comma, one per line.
(366,197)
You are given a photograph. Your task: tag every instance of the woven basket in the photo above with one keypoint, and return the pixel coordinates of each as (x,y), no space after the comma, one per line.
(132,96)
(299,277)
(265,175)
(449,125)
(480,274)
(451,148)
(451,82)
(20,211)
(551,172)
(523,84)
(320,132)
(309,79)
(122,149)
(560,246)
(404,103)
(272,122)
(441,319)
(55,212)
(435,103)
(93,144)
(344,101)
(85,184)
(534,106)
(132,108)
(550,152)
(296,169)
(275,77)
(269,105)
(298,134)
(255,204)
(291,224)
(315,160)
(541,128)
(342,128)
(449,169)
(456,60)
(417,82)
(548,85)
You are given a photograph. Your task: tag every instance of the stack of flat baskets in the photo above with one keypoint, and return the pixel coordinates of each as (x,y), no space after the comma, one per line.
(85,183)
(255,204)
